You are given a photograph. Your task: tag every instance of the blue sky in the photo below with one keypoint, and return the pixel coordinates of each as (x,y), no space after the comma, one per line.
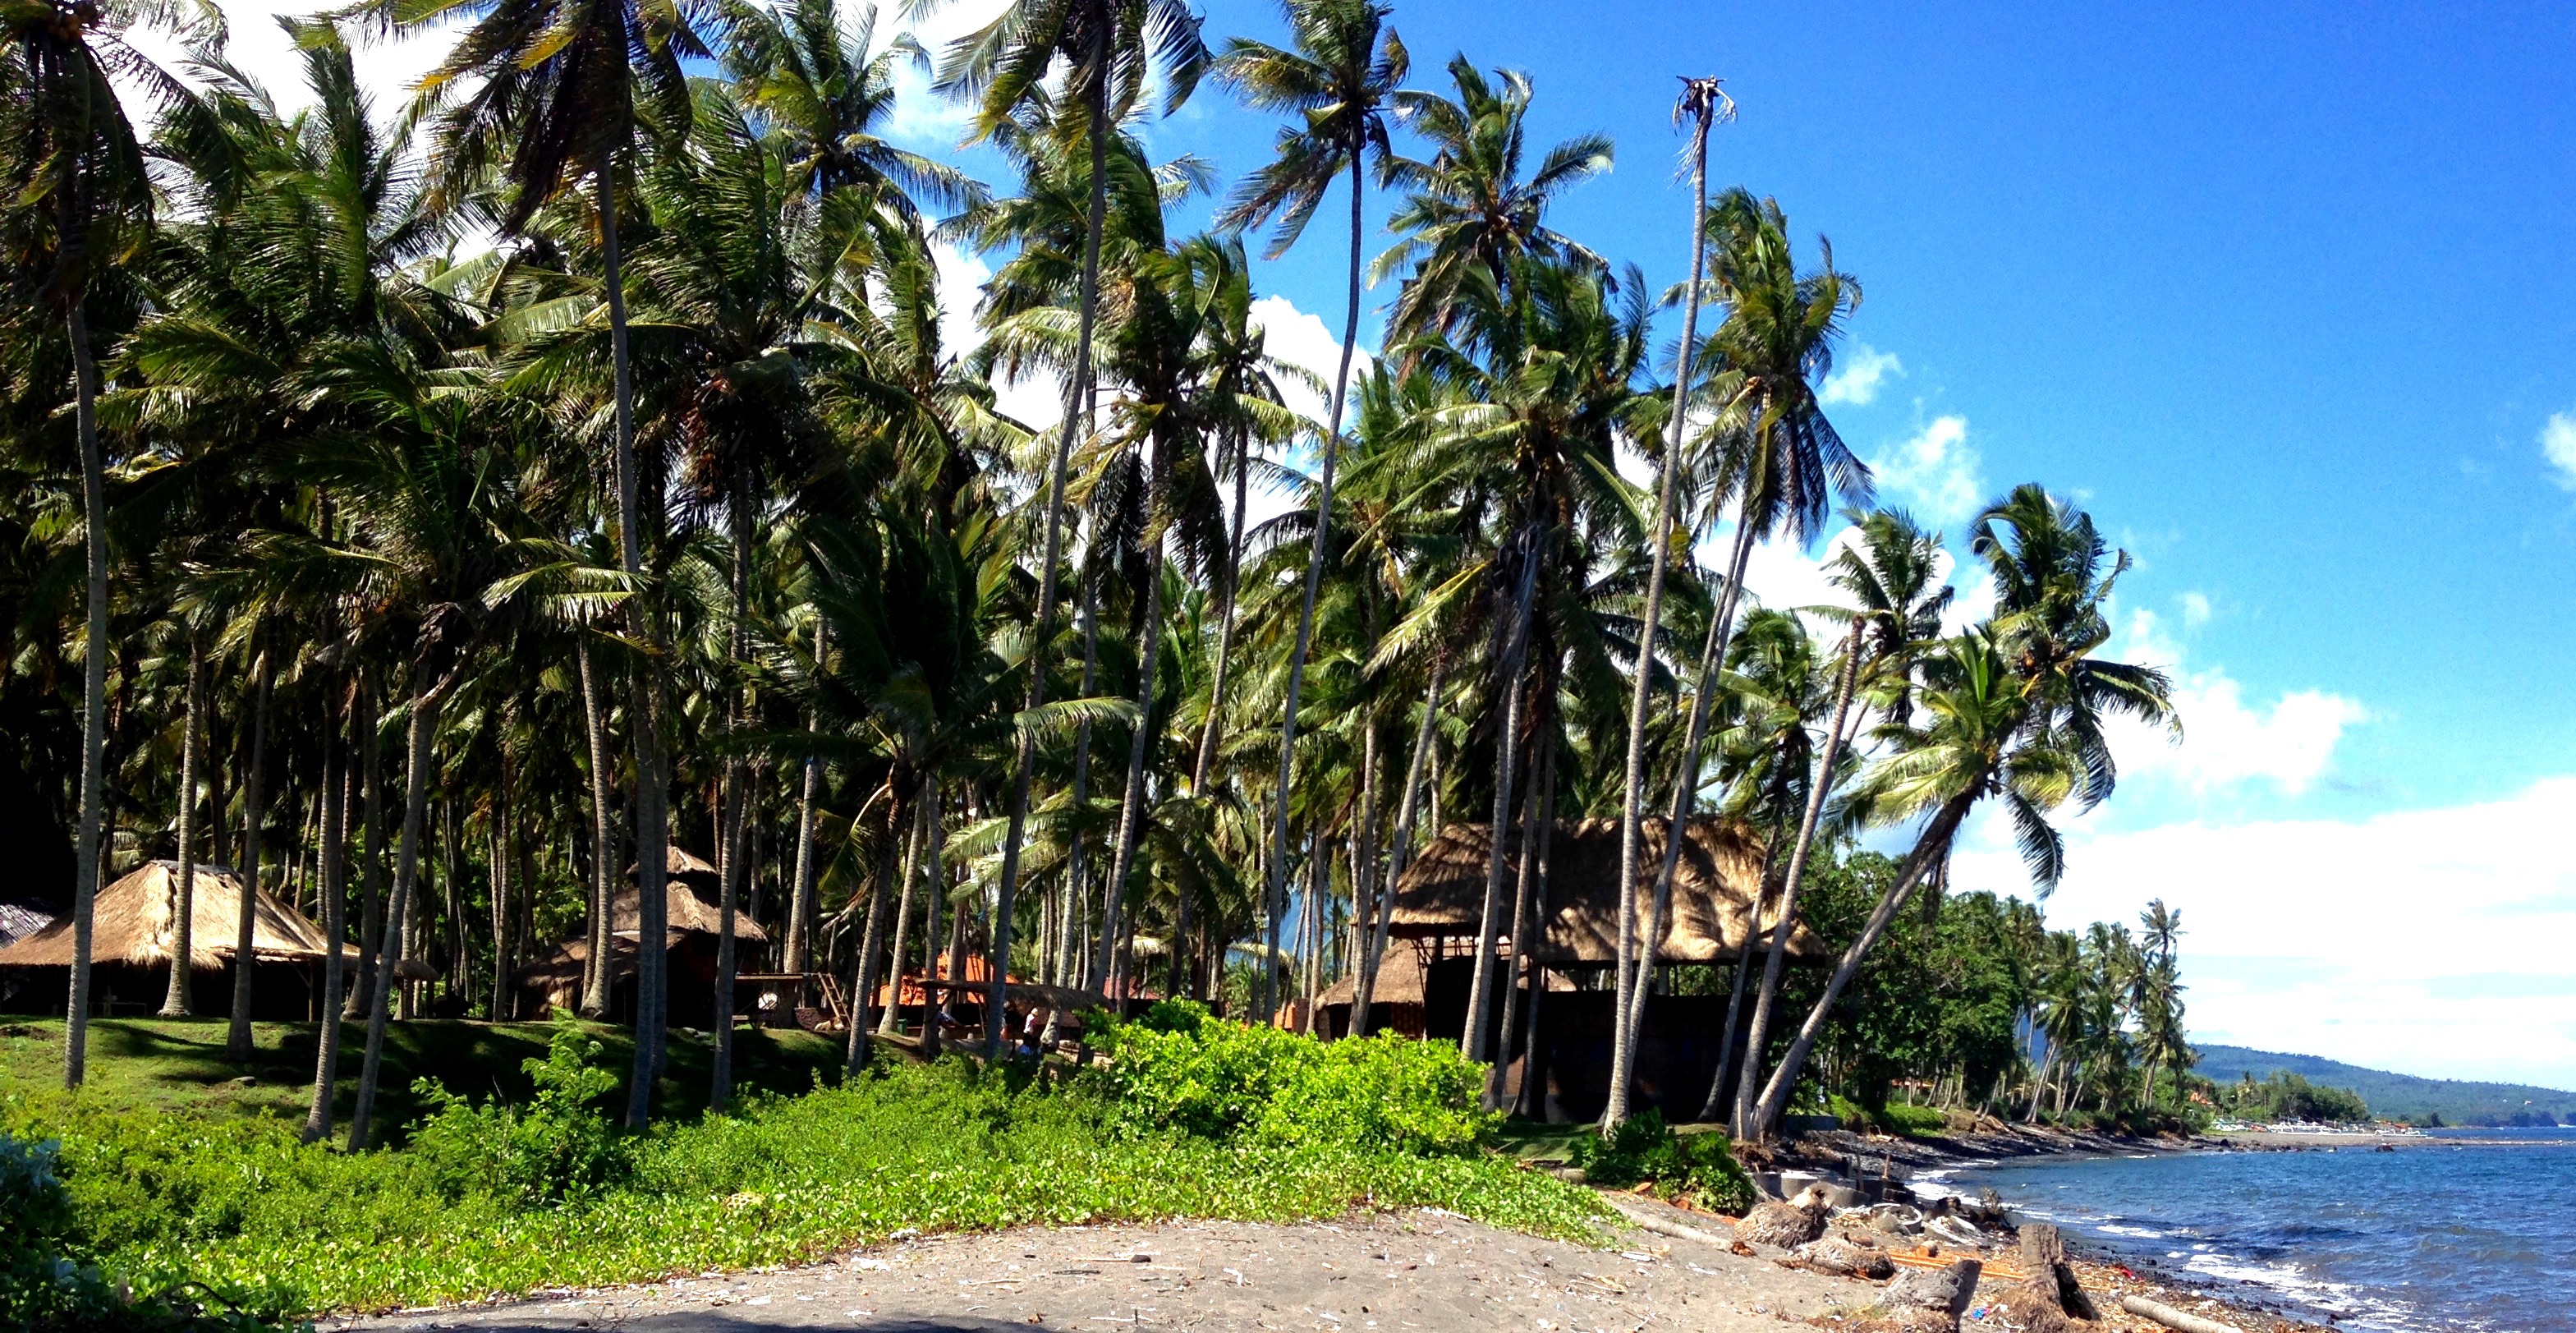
(2284,294)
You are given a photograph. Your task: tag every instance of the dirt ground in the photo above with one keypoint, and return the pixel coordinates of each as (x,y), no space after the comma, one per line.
(1397,1271)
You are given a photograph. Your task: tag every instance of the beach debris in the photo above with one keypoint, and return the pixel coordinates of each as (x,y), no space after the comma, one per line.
(1789,1224)
(1946,1290)
(2172,1318)
(1897,1219)
(1844,1257)
(1663,1226)
(2048,1274)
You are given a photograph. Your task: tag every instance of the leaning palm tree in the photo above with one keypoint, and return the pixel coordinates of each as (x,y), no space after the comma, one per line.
(1110,51)
(547,92)
(1705,104)
(77,201)
(2016,708)
(1338,81)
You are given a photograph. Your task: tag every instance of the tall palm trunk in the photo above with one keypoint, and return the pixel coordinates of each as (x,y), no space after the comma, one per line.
(1131,806)
(332,826)
(1527,880)
(1474,1041)
(1623,1046)
(1320,542)
(1225,630)
(1363,994)
(426,701)
(1818,789)
(237,1043)
(371,771)
(738,803)
(505,864)
(652,800)
(1928,850)
(1077,878)
(1529,1100)
(1726,1052)
(595,974)
(800,907)
(891,860)
(183,888)
(1633,793)
(923,815)
(93,775)
(1077,412)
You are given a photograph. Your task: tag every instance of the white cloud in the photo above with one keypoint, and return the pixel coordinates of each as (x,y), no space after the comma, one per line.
(2558,445)
(2195,610)
(2429,941)
(2227,742)
(1936,471)
(1857,377)
(924,119)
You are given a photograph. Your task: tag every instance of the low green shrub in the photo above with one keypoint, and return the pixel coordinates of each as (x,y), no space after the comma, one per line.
(1178,1067)
(44,1287)
(559,1146)
(1698,1166)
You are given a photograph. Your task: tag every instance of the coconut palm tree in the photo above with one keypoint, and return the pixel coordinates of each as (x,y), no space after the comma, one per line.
(543,93)
(825,88)
(1111,50)
(1705,103)
(1338,80)
(78,202)
(2016,712)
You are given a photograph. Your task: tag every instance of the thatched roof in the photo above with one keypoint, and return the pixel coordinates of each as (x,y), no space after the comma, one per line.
(1399,980)
(132,923)
(1443,891)
(20,920)
(685,911)
(681,865)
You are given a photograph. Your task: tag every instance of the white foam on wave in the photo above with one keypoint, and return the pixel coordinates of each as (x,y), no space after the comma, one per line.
(2141,1233)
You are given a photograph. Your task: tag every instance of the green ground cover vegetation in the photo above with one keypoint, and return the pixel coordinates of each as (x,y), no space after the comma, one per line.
(537,1189)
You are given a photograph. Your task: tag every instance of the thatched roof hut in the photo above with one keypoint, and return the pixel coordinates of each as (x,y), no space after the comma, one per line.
(684,909)
(132,922)
(1442,893)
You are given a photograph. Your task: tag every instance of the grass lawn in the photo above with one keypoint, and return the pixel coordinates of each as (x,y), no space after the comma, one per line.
(178,1066)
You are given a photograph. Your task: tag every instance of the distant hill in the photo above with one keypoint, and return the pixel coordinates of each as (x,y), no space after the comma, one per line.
(2396,1096)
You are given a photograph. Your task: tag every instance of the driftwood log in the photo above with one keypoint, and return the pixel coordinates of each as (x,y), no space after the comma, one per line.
(1666,1227)
(2049,1275)
(2172,1318)
(1948,1290)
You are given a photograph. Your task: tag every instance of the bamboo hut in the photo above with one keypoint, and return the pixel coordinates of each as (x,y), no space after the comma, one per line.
(132,935)
(692,928)
(1717,911)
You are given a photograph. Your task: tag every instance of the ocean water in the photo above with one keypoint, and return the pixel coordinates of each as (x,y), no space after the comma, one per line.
(2477,1231)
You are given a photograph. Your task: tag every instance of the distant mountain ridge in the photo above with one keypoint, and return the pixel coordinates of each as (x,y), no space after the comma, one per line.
(2395,1096)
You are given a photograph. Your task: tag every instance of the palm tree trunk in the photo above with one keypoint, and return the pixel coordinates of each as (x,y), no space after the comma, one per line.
(332,827)
(738,803)
(1818,788)
(924,813)
(237,1043)
(93,774)
(1077,411)
(1928,849)
(652,804)
(183,888)
(934,887)
(1676,828)
(1527,1100)
(891,860)
(1318,544)
(1726,1053)
(505,864)
(1633,793)
(1225,631)
(603,842)
(1474,1041)
(1402,844)
(371,771)
(800,908)
(1539,764)
(423,724)
(1131,806)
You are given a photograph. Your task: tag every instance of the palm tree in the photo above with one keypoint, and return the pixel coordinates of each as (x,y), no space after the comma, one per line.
(2016,713)
(1705,103)
(547,92)
(1784,458)
(78,201)
(824,88)
(1110,50)
(1888,574)
(1468,209)
(1338,80)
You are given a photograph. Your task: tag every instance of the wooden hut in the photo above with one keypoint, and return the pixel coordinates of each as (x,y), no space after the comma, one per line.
(132,935)
(1439,912)
(692,928)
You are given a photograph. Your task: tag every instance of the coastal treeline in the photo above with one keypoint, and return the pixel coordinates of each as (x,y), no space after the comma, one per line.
(436,509)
